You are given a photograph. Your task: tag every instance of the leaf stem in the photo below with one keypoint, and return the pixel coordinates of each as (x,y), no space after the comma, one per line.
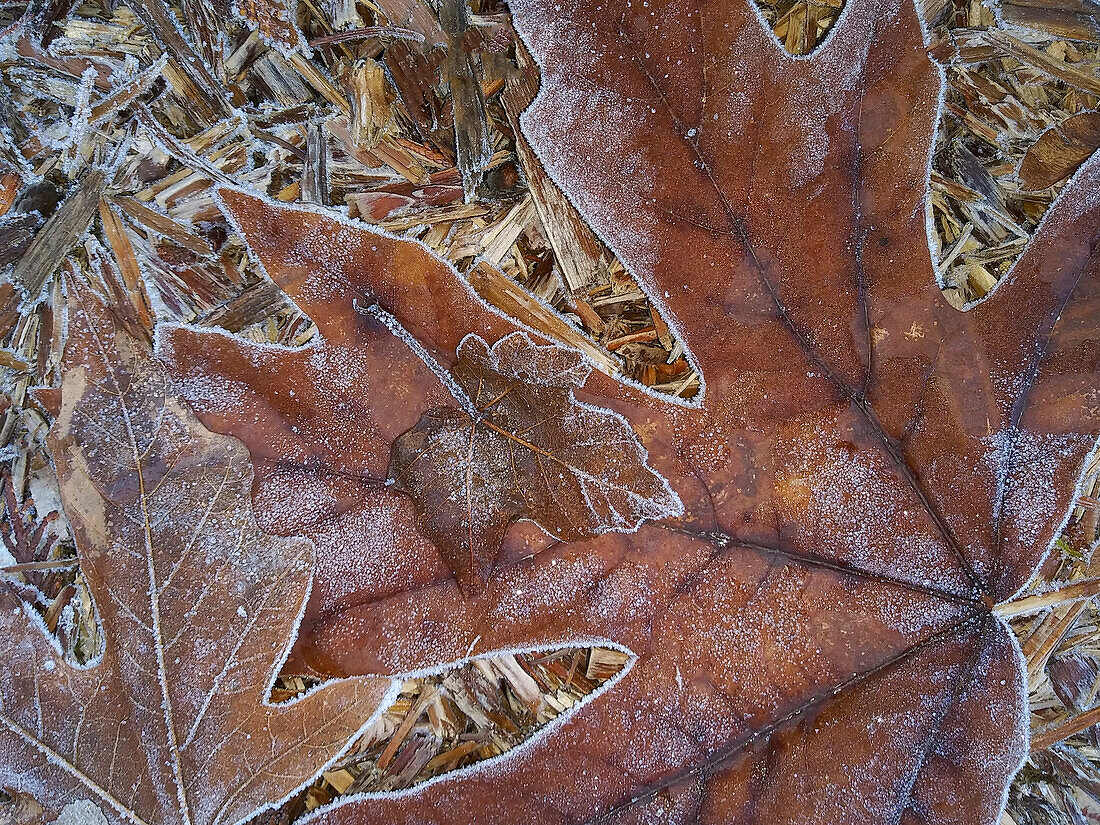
(40,565)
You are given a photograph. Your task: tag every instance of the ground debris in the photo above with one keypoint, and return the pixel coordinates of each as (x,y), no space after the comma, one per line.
(441,723)
(1017,123)
(800,25)
(118,121)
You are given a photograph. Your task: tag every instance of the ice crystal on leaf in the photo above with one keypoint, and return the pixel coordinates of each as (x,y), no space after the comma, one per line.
(866,474)
(171,723)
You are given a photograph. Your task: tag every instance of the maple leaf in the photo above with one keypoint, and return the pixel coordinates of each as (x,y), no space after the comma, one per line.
(866,474)
(171,723)
(522,447)
(332,411)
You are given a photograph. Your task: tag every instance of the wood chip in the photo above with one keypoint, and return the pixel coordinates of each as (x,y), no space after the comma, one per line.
(60,232)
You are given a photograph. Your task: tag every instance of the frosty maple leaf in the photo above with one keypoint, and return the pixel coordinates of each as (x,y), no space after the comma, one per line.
(522,446)
(324,419)
(867,473)
(171,724)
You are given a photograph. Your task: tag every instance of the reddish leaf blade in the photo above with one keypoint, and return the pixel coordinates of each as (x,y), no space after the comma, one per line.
(196,605)
(828,290)
(337,409)
(334,269)
(749,664)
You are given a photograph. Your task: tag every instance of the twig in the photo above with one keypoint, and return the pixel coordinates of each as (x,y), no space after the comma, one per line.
(57,564)
(368,31)
(1067,593)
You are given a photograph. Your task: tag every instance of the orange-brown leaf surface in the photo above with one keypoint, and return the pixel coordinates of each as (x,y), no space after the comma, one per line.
(521,446)
(480,436)
(867,473)
(171,723)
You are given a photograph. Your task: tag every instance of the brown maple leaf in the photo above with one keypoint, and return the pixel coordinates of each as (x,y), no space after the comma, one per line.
(866,474)
(324,419)
(522,447)
(171,723)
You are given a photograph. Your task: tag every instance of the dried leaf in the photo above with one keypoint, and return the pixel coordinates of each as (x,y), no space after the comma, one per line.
(329,415)
(171,724)
(866,472)
(522,447)
(1060,151)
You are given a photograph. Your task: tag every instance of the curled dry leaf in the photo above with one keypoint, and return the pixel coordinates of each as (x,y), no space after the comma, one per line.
(867,473)
(171,723)
(522,447)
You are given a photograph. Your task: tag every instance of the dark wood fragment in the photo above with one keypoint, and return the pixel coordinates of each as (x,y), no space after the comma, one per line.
(16,234)
(1060,151)
(1072,19)
(468,105)
(1074,677)
(42,17)
(257,301)
(415,15)
(61,231)
(201,17)
(415,74)
(163,225)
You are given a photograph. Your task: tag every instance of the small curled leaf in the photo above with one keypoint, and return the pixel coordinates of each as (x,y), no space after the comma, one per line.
(524,447)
